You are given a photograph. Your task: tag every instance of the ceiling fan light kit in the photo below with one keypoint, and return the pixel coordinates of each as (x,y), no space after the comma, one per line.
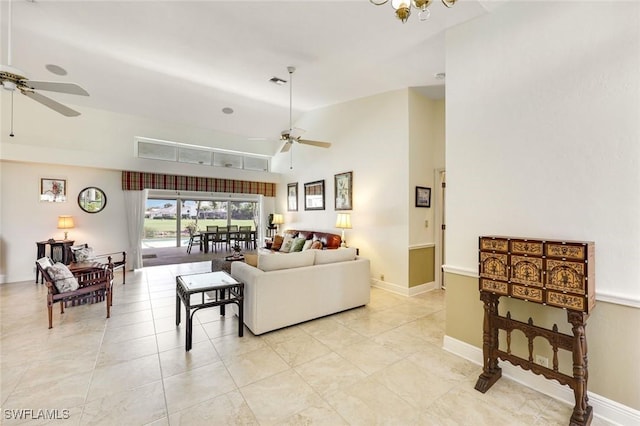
(403,7)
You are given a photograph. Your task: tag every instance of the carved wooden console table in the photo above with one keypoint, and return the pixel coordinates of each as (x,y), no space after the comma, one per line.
(554,273)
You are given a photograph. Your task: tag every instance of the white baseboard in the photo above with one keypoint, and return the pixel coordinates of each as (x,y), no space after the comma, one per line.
(604,408)
(405,291)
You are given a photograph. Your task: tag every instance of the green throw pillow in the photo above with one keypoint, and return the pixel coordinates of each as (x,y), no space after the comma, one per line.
(298,244)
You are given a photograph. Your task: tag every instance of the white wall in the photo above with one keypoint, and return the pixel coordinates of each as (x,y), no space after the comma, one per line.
(25,219)
(543,133)
(369,137)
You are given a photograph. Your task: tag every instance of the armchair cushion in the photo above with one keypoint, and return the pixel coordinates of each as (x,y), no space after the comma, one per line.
(62,277)
(44,263)
(82,253)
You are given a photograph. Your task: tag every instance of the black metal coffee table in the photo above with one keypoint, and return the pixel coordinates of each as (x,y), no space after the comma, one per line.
(219,287)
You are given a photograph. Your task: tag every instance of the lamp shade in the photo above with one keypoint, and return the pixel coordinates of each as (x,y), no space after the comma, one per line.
(343,221)
(278,219)
(65,222)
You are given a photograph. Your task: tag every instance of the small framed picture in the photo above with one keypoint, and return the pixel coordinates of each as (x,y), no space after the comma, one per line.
(292,197)
(314,195)
(344,191)
(423,196)
(53,190)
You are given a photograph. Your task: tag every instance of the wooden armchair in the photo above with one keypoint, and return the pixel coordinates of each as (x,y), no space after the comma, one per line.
(94,285)
(115,260)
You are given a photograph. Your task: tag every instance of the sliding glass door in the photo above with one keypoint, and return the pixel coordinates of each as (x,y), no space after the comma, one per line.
(160,223)
(166,220)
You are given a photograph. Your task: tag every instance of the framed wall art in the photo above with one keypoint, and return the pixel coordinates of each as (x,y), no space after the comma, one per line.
(53,190)
(292,197)
(314,195)
(423,196)
(343,190)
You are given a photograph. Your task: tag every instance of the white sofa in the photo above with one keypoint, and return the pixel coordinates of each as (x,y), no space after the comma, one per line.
(289,289)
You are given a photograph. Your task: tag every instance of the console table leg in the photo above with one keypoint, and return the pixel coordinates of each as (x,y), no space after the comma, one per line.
(490,371)
(582,412)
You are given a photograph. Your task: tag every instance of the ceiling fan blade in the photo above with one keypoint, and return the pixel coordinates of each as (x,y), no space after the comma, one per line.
(53,86)
(315,143)
(286,147)
(54,105)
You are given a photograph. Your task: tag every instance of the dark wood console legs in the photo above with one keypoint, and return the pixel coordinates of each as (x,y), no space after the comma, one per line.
(582,412)
(490,370)
(487,379)
(577,344)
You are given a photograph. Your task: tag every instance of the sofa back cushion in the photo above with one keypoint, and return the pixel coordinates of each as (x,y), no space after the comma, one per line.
(274,262)
(333,256)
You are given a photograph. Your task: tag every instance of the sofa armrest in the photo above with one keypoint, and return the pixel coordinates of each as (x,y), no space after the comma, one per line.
(244,272)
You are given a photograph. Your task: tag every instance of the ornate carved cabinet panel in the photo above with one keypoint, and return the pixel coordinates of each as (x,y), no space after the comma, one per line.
(557,273)
(554,273)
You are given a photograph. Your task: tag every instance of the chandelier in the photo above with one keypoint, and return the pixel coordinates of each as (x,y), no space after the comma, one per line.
(403,7)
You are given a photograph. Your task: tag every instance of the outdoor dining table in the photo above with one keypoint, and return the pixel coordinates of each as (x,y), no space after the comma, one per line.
(230,236)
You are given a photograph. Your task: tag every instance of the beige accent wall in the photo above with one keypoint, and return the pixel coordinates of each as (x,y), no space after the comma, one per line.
(421,266)
(612,336)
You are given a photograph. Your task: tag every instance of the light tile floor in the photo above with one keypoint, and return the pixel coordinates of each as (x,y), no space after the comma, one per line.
(377,365)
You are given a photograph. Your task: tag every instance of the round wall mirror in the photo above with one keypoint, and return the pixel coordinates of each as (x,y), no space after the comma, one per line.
(92,199)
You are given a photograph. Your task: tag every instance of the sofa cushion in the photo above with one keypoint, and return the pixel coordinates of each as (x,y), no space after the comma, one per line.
(62,277)
(307,245)
(297,245)
(277,242)
(273,262)
(287,243)
(333,256)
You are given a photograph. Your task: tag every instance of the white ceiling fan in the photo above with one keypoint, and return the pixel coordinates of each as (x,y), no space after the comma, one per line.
(294,135)
(13,79)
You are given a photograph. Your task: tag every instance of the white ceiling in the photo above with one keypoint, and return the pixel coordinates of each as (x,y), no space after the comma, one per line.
(186,60)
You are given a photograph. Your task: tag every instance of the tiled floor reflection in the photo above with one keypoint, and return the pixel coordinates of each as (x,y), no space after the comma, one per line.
(377,365)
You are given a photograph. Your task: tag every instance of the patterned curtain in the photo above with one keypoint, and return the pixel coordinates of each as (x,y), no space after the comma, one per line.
(132,181)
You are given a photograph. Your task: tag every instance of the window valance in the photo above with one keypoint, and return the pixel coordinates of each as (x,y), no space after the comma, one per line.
(133,181)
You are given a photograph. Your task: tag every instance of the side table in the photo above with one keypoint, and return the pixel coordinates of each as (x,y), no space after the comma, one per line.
(219,287)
